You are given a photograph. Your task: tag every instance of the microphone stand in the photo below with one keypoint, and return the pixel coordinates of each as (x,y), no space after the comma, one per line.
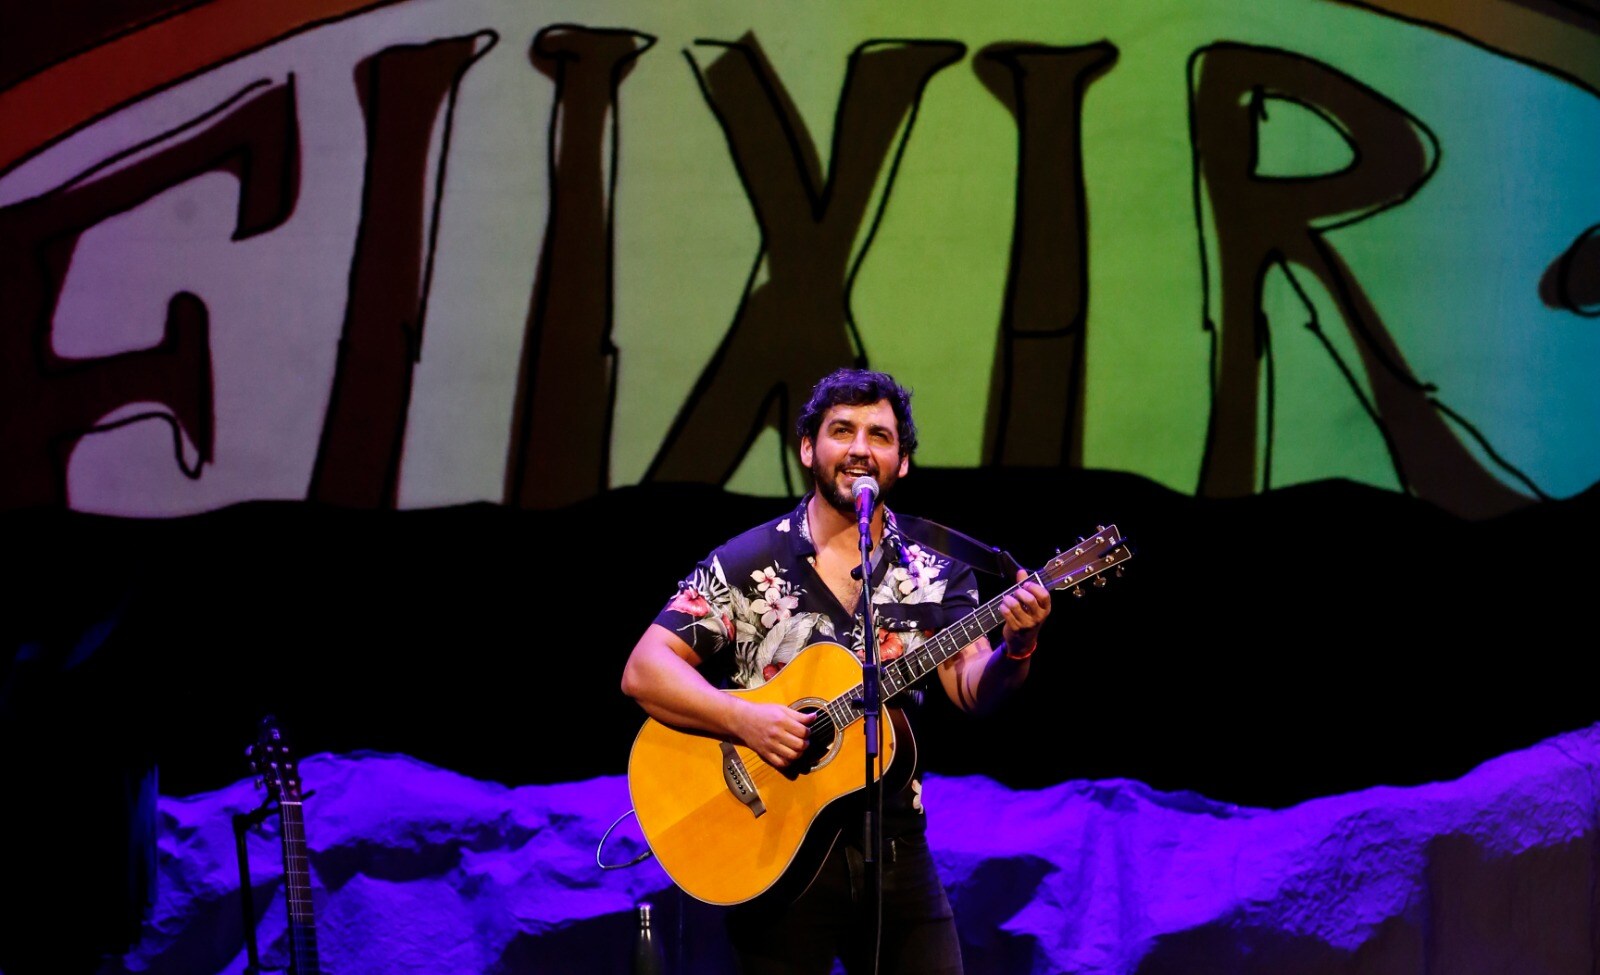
(871,707)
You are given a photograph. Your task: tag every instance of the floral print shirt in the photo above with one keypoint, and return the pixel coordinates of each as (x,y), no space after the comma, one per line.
(758,599)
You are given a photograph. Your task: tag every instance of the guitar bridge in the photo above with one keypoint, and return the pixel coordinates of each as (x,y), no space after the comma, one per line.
(738,780)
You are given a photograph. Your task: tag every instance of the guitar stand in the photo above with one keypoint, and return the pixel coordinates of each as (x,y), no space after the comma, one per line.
(242,824)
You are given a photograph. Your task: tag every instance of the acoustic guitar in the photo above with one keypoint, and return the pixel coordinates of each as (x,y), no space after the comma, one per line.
(726,826)
(279,774)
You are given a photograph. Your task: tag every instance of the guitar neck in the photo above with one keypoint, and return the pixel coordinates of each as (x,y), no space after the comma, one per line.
(899,674)
(902,672)
(297,891)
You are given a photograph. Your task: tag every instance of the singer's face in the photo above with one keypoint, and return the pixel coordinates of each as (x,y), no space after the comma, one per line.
(852,442)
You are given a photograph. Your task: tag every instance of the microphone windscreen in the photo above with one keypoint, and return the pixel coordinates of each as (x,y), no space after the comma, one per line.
(864,485)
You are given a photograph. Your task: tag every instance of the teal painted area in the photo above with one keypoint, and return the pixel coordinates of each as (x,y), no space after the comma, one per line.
(1453,272)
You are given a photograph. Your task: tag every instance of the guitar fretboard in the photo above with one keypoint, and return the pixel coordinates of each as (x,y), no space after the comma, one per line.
(901,672)
(297,891)
(1087,560)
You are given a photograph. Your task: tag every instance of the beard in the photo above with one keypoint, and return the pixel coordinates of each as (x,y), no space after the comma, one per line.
(826,483)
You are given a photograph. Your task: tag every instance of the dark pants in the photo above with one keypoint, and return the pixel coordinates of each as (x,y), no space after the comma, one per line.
(834,918)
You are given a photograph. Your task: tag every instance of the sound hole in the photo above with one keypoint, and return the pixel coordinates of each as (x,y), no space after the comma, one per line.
(822,745)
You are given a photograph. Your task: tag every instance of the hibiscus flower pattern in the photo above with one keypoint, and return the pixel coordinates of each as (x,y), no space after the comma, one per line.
(773,601)
(705,597)
(747,597)
(918,577)
(758,619)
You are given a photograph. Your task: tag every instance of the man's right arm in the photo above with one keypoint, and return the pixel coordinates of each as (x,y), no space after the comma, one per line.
(661,676)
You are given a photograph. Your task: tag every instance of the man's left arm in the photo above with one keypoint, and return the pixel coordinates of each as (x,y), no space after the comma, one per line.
(980,676)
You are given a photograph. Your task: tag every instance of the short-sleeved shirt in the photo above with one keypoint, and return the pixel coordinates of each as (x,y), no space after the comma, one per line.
(757,601)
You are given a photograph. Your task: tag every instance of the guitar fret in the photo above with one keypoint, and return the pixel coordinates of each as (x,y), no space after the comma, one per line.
(297,892)
(270,761)
(902,672)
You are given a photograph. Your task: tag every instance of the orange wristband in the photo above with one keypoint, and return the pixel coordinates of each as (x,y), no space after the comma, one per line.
(1018,656)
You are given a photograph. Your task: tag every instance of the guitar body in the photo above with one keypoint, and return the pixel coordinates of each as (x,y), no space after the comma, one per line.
(725,825)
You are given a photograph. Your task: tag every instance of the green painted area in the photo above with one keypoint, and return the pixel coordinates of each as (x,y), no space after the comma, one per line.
(1453,272)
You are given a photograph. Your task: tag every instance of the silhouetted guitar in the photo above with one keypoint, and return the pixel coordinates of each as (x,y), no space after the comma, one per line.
(726,826)
(279,774)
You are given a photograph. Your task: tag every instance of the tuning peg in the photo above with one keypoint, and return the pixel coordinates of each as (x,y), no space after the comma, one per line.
(1078,591)
(1099,581)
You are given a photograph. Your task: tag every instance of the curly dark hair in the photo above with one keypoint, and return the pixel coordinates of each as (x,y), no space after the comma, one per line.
(858,387)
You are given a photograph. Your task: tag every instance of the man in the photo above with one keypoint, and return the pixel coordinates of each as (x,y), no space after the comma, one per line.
(763,597)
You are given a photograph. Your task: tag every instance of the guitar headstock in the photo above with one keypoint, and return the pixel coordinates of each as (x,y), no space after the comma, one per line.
(1091,558)
(274,764)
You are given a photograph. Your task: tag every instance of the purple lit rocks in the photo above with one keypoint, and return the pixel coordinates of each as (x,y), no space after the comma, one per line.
(417,869)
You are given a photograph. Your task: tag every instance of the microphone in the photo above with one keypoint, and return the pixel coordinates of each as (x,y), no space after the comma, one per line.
(865,491)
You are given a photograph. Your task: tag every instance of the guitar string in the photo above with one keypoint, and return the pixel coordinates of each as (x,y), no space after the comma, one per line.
(296,864)
(297,888)
(1087,565)
(849,701)
(960,634)
(763,772)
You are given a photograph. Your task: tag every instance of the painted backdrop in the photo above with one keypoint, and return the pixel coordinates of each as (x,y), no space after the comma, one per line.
(417,254)
(384,364)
